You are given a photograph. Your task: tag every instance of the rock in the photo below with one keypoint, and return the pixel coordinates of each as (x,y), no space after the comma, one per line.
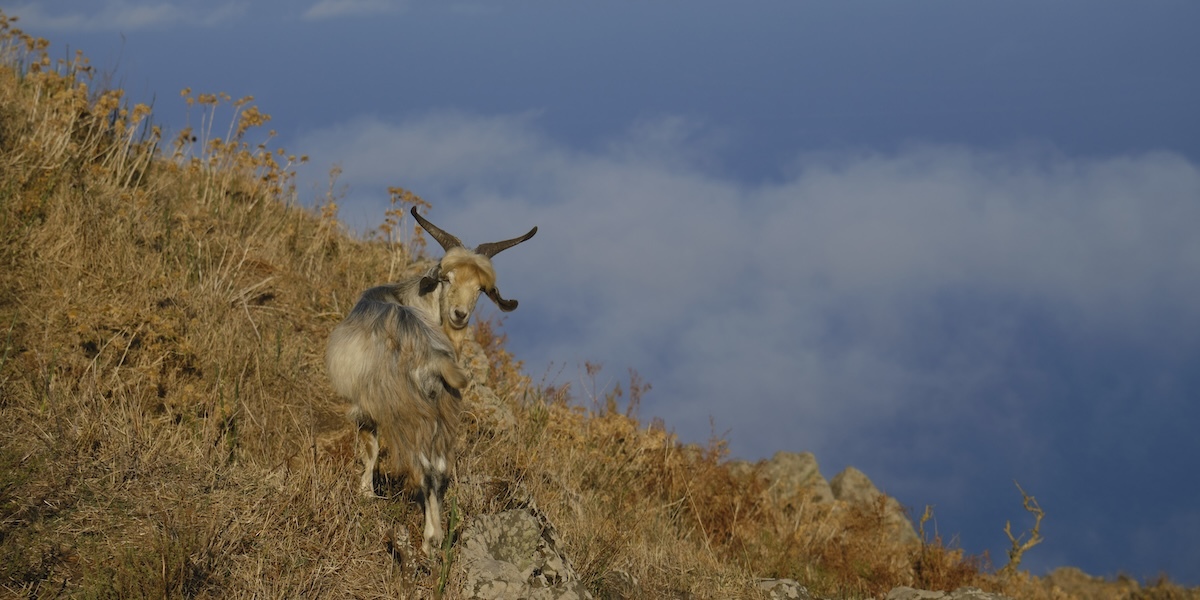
(472,358)
(962,593)
(514,555)
(783,589)
(492,413)
(907,593)
(793,475)
(974,593)
(855,488)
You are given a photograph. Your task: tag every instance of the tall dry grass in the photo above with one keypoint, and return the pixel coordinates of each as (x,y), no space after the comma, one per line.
(166,429)
(164,311)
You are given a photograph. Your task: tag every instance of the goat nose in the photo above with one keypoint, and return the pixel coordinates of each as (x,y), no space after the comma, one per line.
(460,314)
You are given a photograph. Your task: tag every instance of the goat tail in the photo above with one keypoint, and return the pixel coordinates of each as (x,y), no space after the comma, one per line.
(419,426)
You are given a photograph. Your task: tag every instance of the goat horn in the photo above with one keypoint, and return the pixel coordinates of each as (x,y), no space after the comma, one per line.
(446,240)
(491,249)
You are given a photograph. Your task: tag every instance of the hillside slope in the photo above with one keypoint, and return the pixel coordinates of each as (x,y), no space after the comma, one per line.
(167,429)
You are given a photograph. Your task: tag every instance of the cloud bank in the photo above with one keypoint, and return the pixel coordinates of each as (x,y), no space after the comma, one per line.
(332,9)
(120,16)
(830,270)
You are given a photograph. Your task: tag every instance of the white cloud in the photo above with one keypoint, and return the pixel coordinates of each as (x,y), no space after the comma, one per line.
(331,9)
(858,290)
(120,15)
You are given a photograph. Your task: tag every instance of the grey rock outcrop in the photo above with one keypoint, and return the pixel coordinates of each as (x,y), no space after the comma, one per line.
(515,554)
(790,589)
(783,589)
(855,488)
(962,593)
(795,475)
(491,412)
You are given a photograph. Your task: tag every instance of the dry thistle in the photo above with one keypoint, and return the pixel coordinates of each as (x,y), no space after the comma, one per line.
(1035,537)
(402,201)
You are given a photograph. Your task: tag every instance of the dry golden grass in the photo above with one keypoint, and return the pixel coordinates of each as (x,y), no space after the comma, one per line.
(167,429)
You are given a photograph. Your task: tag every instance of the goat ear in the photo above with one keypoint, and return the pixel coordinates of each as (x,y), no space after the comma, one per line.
(428,284)
(505,305)
(430,281)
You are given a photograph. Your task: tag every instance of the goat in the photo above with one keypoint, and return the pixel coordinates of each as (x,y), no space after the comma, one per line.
(394,357)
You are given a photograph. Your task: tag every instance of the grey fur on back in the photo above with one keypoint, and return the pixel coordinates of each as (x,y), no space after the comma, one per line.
(398,369)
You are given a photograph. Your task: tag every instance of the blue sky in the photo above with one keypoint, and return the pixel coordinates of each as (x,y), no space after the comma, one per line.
(950,243)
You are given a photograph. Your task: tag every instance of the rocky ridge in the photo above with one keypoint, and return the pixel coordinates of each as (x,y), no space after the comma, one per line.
(796,478)
(516,554)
